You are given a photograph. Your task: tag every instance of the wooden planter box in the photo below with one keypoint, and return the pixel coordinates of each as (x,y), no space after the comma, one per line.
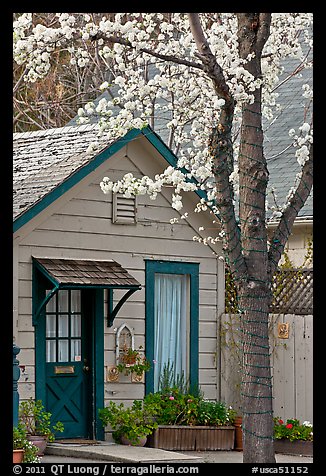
(285,446)
(192,438)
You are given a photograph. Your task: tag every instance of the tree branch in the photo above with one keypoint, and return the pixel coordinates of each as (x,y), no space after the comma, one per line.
(210,65)
(122,41)
(296,202)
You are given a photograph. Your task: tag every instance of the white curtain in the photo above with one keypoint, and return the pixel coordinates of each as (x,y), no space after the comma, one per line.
(170,324)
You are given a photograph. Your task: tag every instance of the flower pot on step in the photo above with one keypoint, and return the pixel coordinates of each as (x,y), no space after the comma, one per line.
(18,456)
(40,441)
(140,442)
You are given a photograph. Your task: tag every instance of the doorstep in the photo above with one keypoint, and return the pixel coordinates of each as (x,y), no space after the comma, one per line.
(120,453)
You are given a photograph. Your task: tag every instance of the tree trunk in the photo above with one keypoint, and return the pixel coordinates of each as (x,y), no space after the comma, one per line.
(254,287)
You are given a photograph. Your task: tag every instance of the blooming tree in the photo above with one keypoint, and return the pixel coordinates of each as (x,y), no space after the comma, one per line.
(207,82)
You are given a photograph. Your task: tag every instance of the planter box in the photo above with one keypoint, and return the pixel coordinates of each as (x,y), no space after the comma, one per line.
(285,446)
(192,438)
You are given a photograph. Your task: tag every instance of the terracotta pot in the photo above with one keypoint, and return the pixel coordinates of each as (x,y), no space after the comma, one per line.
(140,442)
(40,441)
(18,456)
(238,433)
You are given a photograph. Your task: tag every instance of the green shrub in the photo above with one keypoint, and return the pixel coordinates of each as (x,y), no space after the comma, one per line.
(133,422)
(37,421)
(20,442)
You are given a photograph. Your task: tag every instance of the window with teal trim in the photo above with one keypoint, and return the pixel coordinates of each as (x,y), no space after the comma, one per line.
(172,300)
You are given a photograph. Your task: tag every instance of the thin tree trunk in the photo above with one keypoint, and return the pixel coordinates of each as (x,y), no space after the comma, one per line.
(254,288)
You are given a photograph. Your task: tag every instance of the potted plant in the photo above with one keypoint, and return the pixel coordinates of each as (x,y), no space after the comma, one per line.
(186,421)
(293,437)
(23,450)
(130,425)
(131,361)
(37,423)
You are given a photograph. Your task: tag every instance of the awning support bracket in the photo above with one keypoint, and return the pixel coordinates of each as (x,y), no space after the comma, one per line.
(43,303)
(113,312)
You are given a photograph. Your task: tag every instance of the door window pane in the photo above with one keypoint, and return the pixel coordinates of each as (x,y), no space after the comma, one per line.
(75,300)
(63,325)
(51,351)
(63,350)
(75,326)
(51,325)
(76,350)
(63,299)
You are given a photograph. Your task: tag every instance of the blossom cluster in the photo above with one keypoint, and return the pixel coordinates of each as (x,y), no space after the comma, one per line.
(130,185)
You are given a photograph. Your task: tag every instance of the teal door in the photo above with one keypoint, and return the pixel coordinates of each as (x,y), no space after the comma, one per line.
(68,366)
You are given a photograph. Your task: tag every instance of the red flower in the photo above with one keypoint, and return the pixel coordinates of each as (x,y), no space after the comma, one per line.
(289,426)
(281,422)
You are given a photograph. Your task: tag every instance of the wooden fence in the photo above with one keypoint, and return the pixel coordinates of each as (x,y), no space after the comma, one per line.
(291,360)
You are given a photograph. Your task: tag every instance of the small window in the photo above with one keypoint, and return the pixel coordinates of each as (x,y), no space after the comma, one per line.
(124,209)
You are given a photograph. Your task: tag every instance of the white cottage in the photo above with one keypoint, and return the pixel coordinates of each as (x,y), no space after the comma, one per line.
(93,272)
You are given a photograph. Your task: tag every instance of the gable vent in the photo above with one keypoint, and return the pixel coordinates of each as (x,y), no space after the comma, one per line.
(124,209)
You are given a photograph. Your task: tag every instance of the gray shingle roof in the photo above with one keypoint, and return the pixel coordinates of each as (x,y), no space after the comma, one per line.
(44,159)
(88,272)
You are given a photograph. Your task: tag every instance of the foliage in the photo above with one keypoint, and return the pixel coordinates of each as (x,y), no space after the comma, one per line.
(133,422)
(179,404)
(20,441)
(215,413)
(174,407)
(131,361)
(37,421)
(170,379)
(292,429)
(177,408)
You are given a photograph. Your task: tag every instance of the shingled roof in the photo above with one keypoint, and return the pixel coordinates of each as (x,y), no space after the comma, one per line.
(44,159)
(83,272)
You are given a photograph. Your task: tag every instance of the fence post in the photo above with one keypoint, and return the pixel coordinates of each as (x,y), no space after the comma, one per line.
(16,375)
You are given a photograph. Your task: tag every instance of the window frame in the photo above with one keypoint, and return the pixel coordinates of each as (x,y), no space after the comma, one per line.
(172,267)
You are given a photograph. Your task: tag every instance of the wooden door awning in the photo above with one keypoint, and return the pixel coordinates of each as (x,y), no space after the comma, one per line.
(66,273)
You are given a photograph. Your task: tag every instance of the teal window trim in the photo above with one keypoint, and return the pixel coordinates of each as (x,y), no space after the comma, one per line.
(98,357)
(172,267)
